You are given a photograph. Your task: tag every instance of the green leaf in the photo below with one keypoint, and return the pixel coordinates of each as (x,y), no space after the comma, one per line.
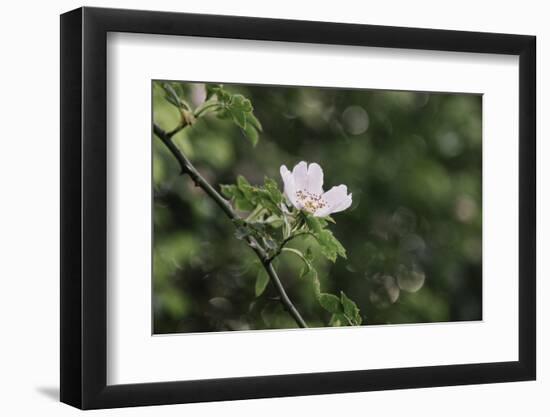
(239,107)
(252,134)
(240,103)
(330,247)
(178,88)
(235,107)
(218,91)
(229,190)
(238,197)
(272,188)
(350,309)
(212,90)
(239,118)
(252,127)
(330,302)
(261,282)
(252,120)
(338,320)
(171,94)
(224,114)
(248,197)
(172,101)
(314,224)
(242,181)
(274,221)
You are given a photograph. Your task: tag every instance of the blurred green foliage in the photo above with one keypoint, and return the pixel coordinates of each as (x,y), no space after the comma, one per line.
(412,236)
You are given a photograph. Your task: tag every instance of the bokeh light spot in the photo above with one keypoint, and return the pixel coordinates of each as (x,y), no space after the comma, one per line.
(355,120)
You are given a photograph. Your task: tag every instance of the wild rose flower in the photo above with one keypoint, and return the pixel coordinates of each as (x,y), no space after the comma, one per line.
(303,187)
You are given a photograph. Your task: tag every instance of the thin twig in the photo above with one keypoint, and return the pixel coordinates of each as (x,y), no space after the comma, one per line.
(285,241)
(188,168)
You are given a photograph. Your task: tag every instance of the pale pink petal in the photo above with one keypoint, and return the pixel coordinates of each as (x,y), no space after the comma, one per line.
(336,199)
(335,195)
(300,176)
(289,186)
(315,179)
(322,212)
(344,204)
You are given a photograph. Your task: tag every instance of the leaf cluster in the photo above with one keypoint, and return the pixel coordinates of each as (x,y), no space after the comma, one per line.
(247,197)
(235,107)
(220,102)
(264,211)
(344,311)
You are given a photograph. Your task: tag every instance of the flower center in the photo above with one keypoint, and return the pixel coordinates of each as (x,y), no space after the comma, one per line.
(310,202)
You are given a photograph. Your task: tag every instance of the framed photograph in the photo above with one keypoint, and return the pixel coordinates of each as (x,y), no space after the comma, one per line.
(258,208)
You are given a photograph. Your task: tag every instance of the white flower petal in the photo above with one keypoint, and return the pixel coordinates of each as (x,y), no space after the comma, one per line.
(323,212)
(335,195)
(285,173)
(315,179)
(300,176)
(336,199)
(344,204)
(289,186)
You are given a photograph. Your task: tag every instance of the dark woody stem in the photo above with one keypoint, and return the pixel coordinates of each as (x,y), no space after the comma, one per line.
(187,168)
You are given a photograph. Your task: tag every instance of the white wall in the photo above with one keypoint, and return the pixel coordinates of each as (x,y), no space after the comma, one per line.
(29,173)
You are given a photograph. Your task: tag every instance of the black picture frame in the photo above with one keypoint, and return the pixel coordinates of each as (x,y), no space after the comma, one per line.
(84,207)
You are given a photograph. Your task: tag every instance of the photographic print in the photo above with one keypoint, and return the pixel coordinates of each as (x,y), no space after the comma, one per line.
(365,186)
(278,207)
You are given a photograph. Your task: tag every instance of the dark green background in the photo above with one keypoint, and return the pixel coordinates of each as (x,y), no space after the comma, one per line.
(411,160)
